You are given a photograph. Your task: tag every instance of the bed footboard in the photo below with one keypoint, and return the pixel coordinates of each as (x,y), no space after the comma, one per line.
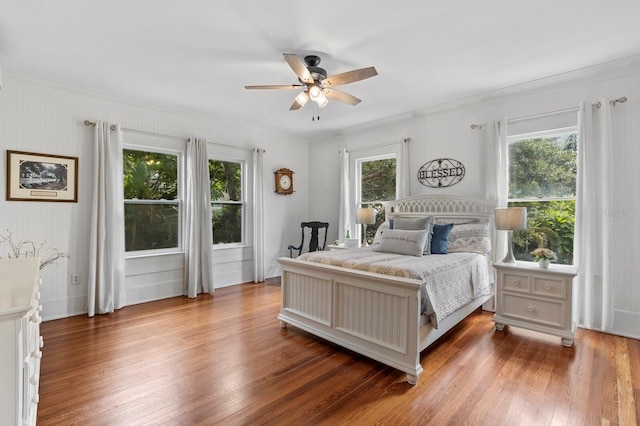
(373,315)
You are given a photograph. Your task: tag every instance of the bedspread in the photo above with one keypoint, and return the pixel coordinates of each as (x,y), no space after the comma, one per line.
(449,281)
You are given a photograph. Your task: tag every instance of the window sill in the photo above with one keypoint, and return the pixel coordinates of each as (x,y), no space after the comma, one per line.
(231,247)
(143,255)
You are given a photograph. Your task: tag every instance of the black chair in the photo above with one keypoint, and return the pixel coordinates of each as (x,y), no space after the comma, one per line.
(313,244)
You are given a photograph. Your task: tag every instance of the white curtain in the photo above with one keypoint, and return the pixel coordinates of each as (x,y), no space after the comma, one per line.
(345,202)
(593,242)
(258,215)
(198,236)
(404,183)
(499,187)
(106,290)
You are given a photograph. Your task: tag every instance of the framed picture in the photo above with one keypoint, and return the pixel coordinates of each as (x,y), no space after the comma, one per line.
(41,177)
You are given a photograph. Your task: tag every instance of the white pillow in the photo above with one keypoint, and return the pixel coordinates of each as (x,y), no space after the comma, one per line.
(400,241)
(473,237)
(416,223)
(383,227)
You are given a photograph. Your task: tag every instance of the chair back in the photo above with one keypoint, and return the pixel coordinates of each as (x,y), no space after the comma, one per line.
(314,241)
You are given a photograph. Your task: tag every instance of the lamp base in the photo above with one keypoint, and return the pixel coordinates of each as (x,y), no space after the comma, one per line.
(509,258)
(365,243)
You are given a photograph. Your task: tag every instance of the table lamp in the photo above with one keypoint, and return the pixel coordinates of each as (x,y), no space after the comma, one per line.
(365,216)
(510,219)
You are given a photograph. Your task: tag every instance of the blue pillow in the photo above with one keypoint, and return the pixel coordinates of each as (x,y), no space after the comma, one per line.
(440,238)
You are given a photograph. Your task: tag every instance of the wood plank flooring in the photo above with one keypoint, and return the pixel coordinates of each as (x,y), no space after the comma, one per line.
(223,359)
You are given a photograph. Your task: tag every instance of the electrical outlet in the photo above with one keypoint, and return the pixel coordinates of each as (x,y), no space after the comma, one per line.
(75,279)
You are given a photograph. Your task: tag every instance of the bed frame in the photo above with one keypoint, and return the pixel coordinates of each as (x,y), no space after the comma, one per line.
(375,315)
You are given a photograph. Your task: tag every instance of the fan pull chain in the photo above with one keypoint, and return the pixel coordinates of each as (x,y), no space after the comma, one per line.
(317,112)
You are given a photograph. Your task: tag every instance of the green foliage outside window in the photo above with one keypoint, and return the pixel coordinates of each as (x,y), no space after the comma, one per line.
(226,201)
(377,183)
(542,178)
(550,224)
(151,207)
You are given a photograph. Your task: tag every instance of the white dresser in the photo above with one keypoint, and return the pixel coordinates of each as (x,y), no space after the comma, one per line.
(20,340)
(536,299)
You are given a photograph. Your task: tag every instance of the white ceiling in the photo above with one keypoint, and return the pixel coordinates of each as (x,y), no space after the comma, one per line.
(198,55)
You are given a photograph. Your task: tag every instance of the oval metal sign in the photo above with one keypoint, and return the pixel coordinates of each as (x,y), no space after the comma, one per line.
(441,173)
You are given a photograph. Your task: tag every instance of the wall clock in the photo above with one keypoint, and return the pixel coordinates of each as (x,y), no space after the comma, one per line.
(284,181)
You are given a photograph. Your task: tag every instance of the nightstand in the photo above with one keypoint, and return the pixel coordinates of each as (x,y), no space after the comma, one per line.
(536,299)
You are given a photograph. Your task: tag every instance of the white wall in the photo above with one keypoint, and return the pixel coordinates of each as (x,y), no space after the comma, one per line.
(444,132)
(44,117)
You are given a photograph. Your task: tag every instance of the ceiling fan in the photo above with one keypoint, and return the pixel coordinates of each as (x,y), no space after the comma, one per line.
(317,86)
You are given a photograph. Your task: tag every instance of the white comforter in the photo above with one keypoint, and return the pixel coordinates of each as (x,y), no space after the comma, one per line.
(450,281)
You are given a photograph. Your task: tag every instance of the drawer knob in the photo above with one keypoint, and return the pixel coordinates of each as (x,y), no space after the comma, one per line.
(531,308)
(516,282)
(547,286)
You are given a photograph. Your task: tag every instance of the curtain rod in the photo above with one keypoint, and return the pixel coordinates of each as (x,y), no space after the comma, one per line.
(403,140)
(544,114)
(143,132)
(621,100)
(598,104)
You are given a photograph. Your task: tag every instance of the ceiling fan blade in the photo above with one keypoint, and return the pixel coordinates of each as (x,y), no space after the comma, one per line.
(295,106)
(299,67)
(276,86)
(336,95)
(349,77)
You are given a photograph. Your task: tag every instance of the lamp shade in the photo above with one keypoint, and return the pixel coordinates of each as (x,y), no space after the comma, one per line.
(302,98)
(511,218)
(314,93)
(366,215)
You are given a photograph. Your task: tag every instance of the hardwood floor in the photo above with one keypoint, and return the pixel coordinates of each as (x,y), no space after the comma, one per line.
(223,359)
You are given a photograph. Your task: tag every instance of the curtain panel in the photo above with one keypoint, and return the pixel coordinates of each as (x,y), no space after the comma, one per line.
(258,214)
(106,291)
(594,250)
(345,202)
(198,236)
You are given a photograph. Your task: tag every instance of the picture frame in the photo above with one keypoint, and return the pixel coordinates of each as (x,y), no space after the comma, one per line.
(33,176)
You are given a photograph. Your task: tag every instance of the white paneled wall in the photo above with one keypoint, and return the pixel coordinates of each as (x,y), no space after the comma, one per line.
(44,117)
(444,132)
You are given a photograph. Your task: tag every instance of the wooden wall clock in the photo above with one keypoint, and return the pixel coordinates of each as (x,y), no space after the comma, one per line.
(284,181)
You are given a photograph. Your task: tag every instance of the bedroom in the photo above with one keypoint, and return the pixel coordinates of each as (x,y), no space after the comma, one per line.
(42,113)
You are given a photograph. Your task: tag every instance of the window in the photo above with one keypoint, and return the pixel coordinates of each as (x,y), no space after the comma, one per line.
(227,201)
(542,178)
(377,183)
(151,200)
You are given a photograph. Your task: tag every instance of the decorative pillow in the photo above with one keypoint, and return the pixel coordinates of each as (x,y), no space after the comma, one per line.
(412,223)
(401,241)
(470,238)
(415,223)
(383,226)
(439,239)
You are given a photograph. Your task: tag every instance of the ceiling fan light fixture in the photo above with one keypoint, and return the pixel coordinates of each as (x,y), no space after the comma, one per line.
(315,93)
(322,100)
(302,98)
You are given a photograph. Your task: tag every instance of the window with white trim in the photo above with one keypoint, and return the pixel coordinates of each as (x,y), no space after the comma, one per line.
(226,178)
(376,180)
(542,171)
(152,204)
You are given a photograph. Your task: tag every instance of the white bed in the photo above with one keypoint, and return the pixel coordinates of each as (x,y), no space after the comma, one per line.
(375,315)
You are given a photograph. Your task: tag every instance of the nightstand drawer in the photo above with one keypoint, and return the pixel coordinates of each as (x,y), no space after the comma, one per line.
(546,286)
(516,282)
(547,312)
